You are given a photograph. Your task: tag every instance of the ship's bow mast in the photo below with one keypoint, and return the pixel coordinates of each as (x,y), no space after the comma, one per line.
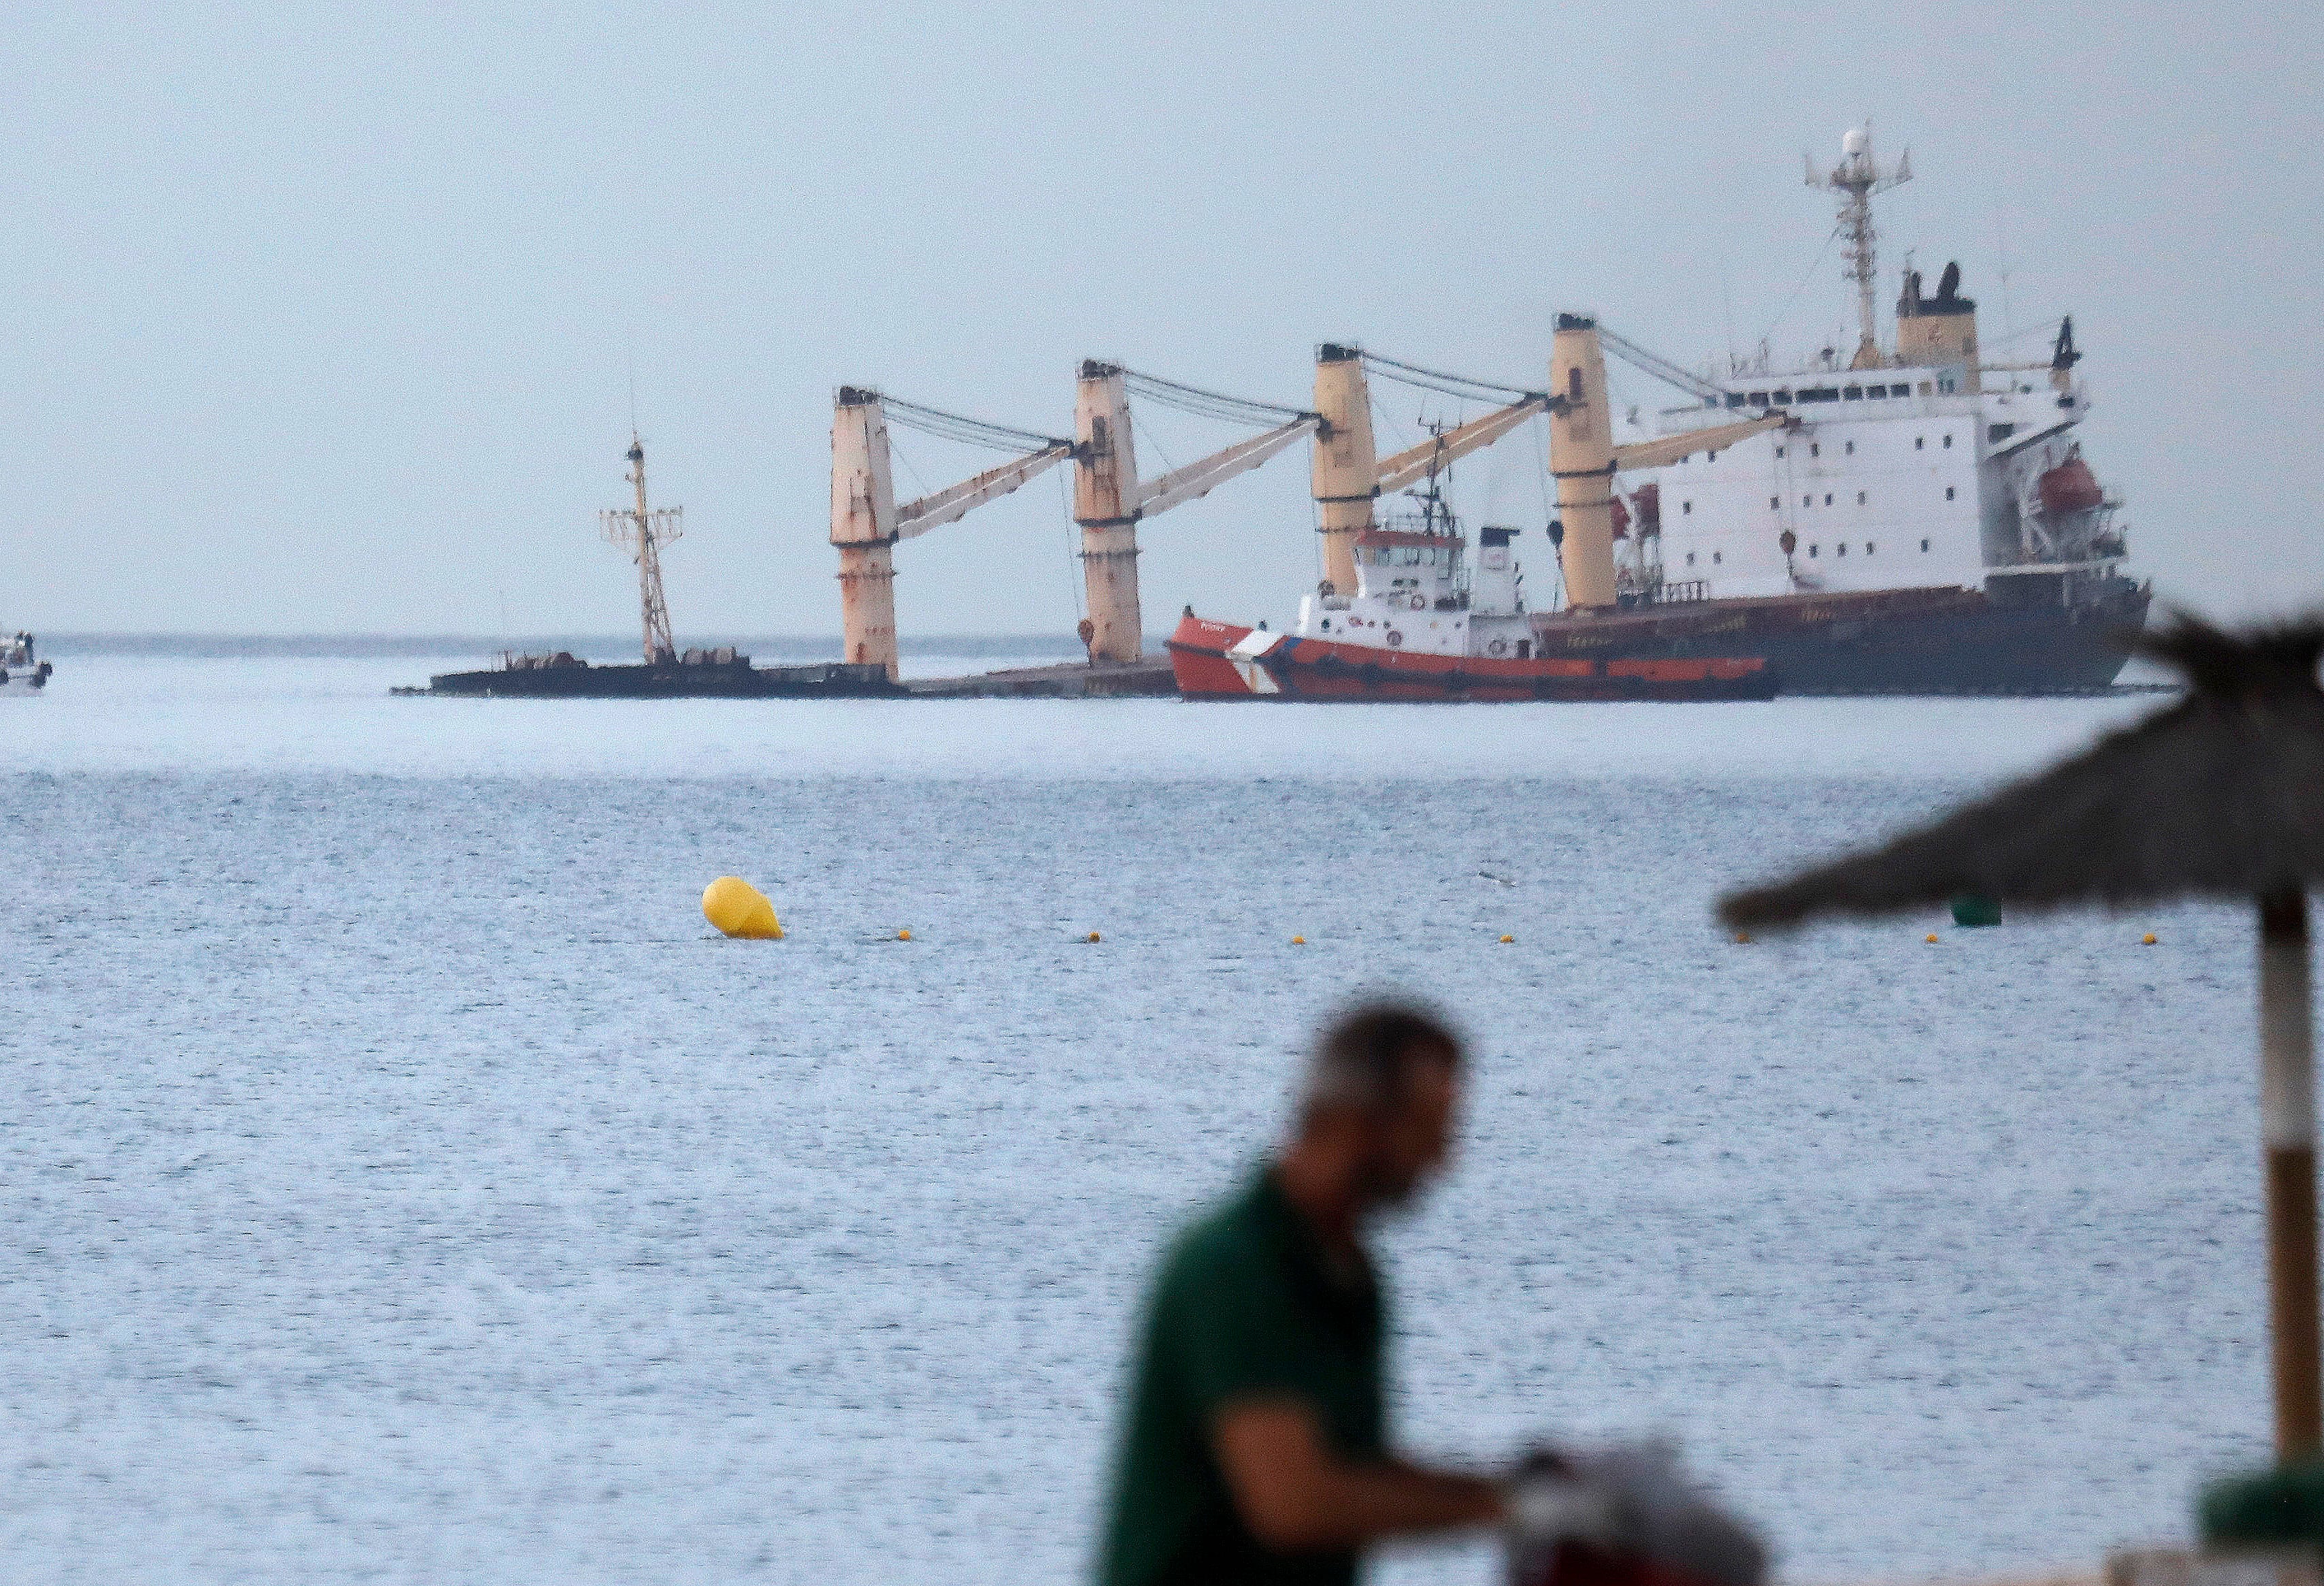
(641,533)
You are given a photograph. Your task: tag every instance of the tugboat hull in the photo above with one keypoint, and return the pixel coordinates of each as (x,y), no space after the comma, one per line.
(1224,660)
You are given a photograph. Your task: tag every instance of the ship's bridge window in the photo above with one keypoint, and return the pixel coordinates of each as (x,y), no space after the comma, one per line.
(1822,394)
(1412,555)
(1783,399)
(1734,398)
(1758,398)
(1853,392)
(1998,432)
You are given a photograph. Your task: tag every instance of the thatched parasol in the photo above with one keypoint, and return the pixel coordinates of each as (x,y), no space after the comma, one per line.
(2221,794)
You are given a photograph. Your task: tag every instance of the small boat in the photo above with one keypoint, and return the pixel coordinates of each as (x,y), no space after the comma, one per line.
(1420,626)
(21,671)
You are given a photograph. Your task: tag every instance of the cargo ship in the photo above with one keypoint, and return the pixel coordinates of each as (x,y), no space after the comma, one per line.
(1923,521)
(1907,517)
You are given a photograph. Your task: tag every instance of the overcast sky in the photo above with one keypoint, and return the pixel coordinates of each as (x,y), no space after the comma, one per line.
(329,325)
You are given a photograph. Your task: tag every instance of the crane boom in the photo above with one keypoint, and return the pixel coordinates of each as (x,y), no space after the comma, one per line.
(1404,466)
(955,502)
(1166,490)
(1670,448)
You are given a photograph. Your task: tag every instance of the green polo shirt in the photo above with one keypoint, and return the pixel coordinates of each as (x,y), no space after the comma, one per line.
(1247,1306)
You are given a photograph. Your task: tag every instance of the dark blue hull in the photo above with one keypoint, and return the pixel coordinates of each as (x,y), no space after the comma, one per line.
(1888,641)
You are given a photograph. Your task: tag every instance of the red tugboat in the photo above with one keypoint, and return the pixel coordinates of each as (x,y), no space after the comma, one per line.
(1420,625)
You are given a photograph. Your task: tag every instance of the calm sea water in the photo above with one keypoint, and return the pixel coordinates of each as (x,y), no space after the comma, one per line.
(402,1184)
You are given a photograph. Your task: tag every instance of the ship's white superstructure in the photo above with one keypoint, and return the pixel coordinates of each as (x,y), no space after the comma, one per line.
(1915,467)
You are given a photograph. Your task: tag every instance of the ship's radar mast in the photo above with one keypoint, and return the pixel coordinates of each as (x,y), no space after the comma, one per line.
(1856,179)
(643,533)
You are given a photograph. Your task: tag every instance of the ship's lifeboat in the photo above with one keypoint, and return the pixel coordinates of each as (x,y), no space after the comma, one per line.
(2070,487)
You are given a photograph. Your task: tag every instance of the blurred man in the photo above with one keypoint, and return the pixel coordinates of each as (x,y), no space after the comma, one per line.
(1255,1448)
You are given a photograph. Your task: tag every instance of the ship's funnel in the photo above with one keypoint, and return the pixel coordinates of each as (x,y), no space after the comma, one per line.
(1938,332)
(864,528)
(1581,456)
(1346,469)
(1105,505)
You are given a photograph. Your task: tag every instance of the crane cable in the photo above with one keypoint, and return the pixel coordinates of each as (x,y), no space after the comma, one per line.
(969,431)
(1660,367)
(1452,385)
(1210,404)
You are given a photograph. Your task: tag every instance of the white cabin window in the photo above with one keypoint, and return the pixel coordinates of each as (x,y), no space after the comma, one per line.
(1689,558)
(1815,449)
(1811,550)
(1949,492)
(1852,448)
(1779,451)
(1827,501)
(1920,442)
(1860,498)
(1949,441)
(1843,550)
(1807,500)
(1773,504)
(1869,547)
(1685,507)
(1715,557)
(1925,546)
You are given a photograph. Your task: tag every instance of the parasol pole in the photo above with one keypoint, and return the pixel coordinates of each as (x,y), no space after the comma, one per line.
(2287,1091)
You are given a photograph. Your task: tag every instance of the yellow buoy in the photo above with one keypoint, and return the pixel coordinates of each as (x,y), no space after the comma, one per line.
(1093,936)
(1932,935)
(1508,939)
(2147,940)
(1743,935)
(1299,941)
(903,936)
(739,909)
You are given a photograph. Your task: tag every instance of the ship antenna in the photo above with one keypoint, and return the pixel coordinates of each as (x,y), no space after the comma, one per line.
(642,532)
(1856,179)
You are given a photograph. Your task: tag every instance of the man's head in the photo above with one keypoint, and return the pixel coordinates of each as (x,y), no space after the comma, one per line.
(1380,1097)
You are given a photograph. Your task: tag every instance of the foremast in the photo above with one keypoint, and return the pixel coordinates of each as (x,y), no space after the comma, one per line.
(642,532)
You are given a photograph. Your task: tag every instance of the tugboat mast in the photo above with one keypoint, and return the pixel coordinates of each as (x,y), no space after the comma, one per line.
(643,533)
(1856,179)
